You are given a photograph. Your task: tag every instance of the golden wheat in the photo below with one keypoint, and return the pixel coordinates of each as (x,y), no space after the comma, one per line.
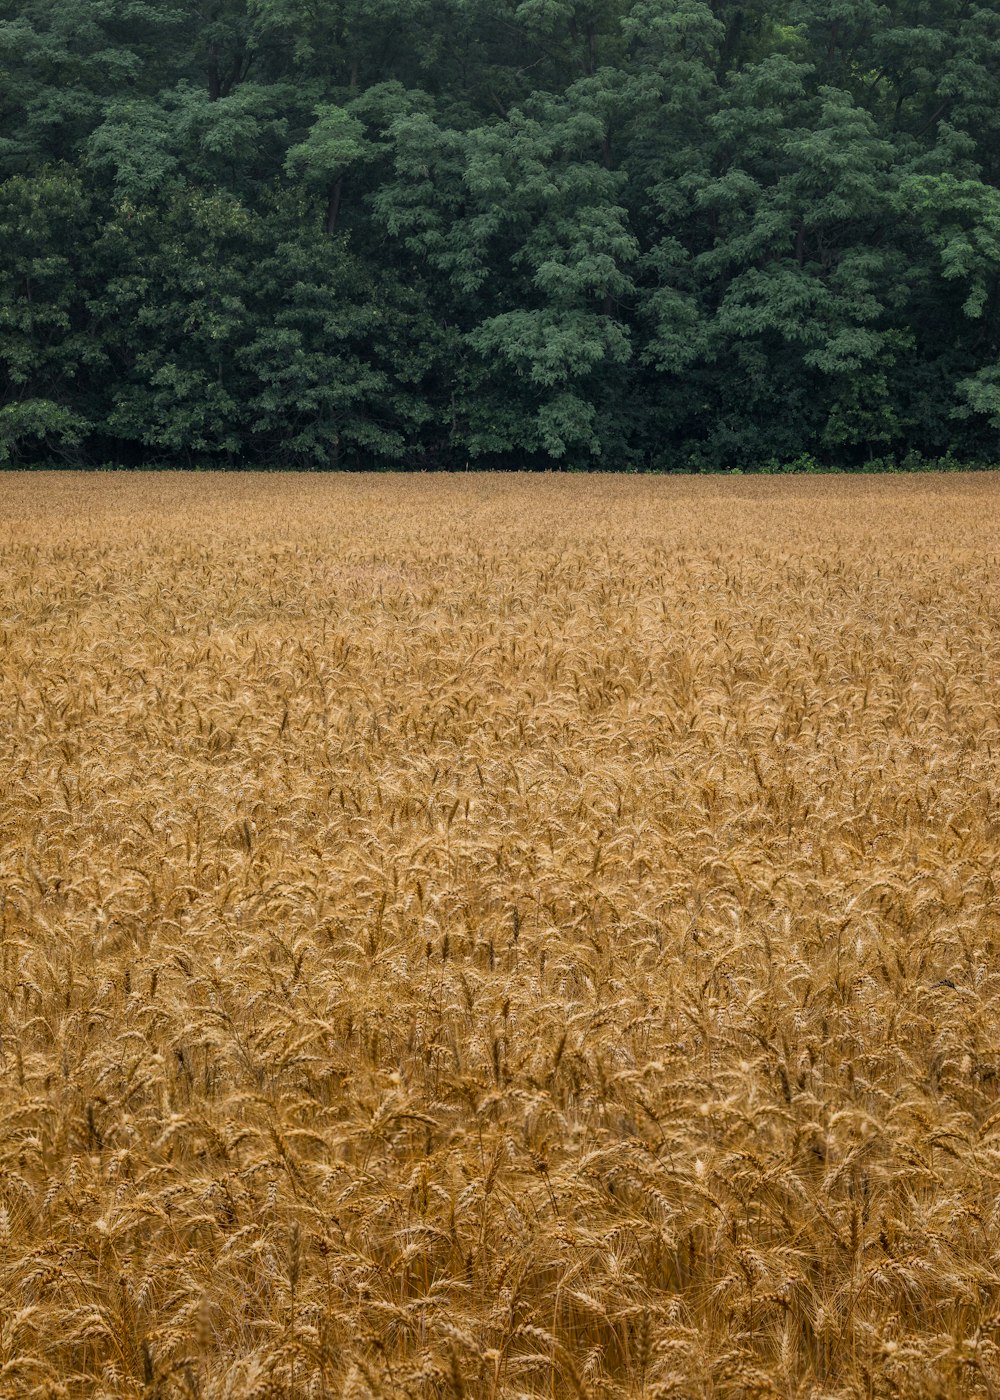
(499,937)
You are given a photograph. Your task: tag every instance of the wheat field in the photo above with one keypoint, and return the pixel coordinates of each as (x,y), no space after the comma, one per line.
(495,937)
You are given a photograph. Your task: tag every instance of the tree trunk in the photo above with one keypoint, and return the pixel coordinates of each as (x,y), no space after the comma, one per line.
(333,205)
(214,76)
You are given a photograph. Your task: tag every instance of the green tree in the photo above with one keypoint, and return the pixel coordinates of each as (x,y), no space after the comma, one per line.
(639,232)
(46,345)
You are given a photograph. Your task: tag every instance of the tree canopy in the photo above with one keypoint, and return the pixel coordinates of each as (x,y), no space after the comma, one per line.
(639,234)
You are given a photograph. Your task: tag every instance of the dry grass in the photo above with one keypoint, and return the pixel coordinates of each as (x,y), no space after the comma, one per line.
(499,937)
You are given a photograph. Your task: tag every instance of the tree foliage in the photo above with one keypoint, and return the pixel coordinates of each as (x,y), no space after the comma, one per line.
(426,233)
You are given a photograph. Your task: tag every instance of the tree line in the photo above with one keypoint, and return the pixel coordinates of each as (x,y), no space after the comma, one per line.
(636,234)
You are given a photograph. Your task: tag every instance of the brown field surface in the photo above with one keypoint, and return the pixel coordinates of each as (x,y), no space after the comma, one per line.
(487,937)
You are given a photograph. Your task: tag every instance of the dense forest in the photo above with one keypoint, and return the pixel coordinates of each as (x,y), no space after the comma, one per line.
(635,234)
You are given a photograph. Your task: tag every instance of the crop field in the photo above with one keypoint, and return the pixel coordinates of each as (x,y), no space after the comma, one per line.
(489,936)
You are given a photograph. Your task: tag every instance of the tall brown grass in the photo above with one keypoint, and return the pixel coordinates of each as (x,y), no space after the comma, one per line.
(499,937)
